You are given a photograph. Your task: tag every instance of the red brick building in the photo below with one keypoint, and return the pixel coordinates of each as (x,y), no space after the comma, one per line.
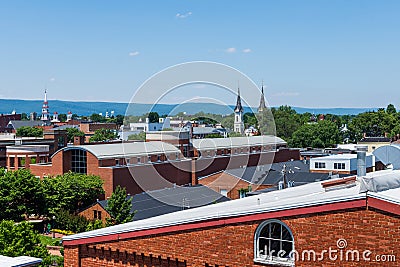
(143,166)
(22,156)
(344,222)
(90,128)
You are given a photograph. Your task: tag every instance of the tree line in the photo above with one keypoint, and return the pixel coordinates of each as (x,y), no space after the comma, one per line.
(299,130)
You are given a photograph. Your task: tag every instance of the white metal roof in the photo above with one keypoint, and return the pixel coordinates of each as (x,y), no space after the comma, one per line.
(296,197)
(218,143)
(339,157)
(18,261)
(302,196)
(127,149)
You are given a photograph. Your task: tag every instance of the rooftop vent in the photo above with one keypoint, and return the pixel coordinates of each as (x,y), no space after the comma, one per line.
(361,160)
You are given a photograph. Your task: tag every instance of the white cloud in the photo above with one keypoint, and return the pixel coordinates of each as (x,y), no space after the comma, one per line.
(183,16)
(133,54)
(247,50)
(286,94)
(52,79)
(230,50)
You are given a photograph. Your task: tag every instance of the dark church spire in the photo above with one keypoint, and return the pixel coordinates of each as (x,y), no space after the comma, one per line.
(238,107)
(262,107)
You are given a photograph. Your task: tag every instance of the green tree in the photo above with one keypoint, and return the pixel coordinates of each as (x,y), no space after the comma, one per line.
(140,136)
(119,207)
(93,225)
(21,240)
(287,121)
(214,135)
(24,117)
(72,132)
(372,123)
(102,135)
(235,134)
(27,131)
(68,221)
(391,109)
(227,121)
(20,195)
(97,118)
(266,122)
(153,117)
(250,119)
(62,117)
(70,192)
(320,135)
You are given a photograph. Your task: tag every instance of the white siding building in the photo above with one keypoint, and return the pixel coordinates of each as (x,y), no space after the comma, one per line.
(340,163)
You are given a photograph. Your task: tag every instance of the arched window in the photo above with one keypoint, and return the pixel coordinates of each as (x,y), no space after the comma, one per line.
(273,243)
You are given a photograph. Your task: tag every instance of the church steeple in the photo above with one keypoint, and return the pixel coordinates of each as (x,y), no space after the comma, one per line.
(238,107)
(45,109)
(238,123)
(262,105)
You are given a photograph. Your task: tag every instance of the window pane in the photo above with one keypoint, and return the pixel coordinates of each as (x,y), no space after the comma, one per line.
(275,230)
(286,234)
(287,247)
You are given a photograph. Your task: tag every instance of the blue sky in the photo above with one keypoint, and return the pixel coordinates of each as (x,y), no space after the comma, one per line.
(309,53)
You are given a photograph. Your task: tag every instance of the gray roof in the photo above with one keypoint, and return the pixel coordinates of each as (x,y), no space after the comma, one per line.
(297,172)
(388,155)
(18,124)
(153,203)
(66,126)
(127,149)
(374,139)
(295,165)
(219,143)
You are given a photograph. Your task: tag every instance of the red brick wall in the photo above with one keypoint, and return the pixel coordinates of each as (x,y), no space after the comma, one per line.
(137,179)
(233,245)
(57,167)
(89,213)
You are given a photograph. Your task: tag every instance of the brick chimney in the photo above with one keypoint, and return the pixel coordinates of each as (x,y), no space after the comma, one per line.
(79,140)
(195,180)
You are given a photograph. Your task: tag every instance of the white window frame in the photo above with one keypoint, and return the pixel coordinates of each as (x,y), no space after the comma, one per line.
(270,260)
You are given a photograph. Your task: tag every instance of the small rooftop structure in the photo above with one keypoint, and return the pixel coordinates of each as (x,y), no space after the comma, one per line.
(340,163)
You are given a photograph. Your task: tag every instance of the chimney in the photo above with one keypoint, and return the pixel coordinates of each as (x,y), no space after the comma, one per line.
(79,140)
(195,179)
(361,160)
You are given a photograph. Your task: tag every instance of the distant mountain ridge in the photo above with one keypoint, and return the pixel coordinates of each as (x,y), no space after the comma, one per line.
(88,108)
